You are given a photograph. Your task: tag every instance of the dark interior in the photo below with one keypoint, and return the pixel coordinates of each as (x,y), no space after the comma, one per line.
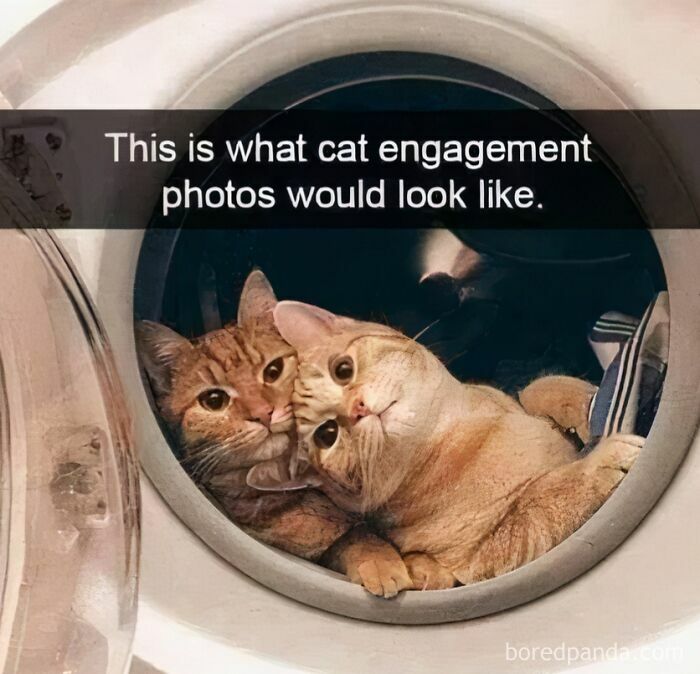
(525,312)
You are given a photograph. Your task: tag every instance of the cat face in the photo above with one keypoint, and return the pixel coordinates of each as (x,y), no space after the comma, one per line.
(363,400)
(227,394)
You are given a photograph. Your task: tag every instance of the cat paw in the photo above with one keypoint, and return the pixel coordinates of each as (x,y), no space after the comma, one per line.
(618,451)
(384,577)
(564,400)
(427,574)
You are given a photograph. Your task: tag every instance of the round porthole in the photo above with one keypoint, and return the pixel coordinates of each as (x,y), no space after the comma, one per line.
(188,279)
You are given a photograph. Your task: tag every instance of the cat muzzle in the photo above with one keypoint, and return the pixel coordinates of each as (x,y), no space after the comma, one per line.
(361,410)
(282,418)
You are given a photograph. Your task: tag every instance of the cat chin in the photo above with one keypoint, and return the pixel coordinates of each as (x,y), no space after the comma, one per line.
(344,496)
(273,446)
(282,426)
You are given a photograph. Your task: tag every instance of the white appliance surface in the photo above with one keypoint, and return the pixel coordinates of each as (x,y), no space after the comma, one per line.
(197,613)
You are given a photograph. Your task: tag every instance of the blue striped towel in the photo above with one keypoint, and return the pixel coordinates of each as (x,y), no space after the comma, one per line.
(634,353)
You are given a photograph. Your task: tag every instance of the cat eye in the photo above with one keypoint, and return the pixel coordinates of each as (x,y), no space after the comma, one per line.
(326,434)
(343,369)
(214,399)
(273,370)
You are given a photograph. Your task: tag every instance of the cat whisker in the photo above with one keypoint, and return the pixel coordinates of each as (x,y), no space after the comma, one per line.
(456,356)
(201,458)
(426,328)
(213,465)
(204,460)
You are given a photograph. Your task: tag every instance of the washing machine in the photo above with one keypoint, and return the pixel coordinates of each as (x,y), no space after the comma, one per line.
(620,595)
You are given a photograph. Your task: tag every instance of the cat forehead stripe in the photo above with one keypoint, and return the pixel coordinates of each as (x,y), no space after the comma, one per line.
(250,352)
(231,349)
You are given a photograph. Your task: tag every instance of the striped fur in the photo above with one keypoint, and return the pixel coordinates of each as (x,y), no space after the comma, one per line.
(251,441)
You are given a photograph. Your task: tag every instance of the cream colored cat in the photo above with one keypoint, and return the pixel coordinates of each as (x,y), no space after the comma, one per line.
(461,478)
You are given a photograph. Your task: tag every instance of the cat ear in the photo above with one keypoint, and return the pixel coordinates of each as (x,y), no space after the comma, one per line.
(257,299)
(303,325)
(159,347)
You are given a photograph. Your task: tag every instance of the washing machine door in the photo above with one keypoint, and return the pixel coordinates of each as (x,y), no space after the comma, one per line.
(69,514)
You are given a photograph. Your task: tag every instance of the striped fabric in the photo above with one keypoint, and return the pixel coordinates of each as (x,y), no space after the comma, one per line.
(614,326)
(630,390)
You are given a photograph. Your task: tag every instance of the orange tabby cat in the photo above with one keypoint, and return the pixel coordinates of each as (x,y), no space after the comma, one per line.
(460,478)
(227,398)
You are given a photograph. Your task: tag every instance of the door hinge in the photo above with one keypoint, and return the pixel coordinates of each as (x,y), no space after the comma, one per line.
(34,155)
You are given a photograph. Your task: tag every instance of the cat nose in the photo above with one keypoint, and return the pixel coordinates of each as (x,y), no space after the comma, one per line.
(262,413)
(358,410)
